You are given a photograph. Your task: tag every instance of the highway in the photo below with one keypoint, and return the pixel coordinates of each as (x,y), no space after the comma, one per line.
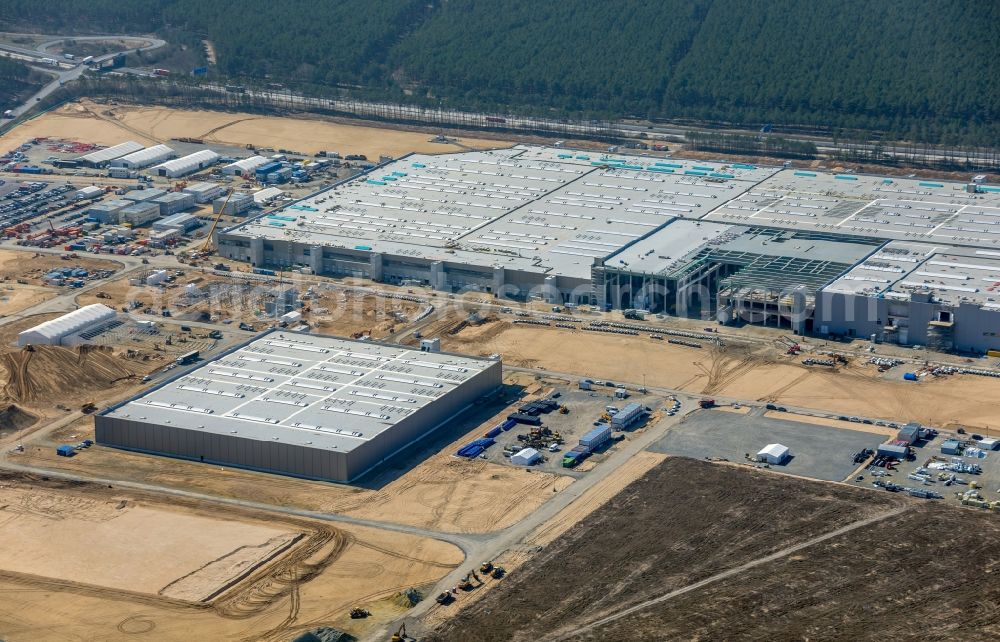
(64,70)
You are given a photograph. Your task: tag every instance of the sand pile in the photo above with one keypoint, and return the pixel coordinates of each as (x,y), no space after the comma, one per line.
(407,599)
(53,373)
(13,418)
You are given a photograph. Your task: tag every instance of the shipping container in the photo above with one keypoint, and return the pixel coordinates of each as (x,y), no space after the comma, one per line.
(596,437)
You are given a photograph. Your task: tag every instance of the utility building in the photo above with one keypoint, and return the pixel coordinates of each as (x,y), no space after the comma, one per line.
(144,157)
(102,157)
(303,405)
(186,164)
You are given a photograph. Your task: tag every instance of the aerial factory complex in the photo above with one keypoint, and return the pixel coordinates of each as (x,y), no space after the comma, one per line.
(310,406)
(909,261)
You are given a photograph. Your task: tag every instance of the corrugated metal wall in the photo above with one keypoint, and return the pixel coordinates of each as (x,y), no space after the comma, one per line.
(274,457)
(289,459)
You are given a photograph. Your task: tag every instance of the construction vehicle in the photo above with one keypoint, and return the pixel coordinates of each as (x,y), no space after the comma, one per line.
(498,572)
(444,598)
(400,635)
(88,407)
(206,249)
(215,334)
(794,349)
(707,403)
(359,614)
(563,410)
(466,583)
(486,567)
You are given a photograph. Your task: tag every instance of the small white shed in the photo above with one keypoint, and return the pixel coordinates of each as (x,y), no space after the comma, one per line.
(526,457)
(774,454)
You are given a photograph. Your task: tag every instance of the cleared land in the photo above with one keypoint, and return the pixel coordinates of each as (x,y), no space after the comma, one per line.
(741,372)
(121,545)
(853,587)
(264,589)
(16,298)
(690,520)
(109,125)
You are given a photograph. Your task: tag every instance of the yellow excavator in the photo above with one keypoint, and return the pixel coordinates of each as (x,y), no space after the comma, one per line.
(401,636)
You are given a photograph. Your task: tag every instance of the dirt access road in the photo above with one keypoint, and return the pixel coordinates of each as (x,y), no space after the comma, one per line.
(716,548)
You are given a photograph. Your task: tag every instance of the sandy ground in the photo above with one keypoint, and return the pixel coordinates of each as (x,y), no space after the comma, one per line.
(511,560)
(594,498)
(858,389)
(315,583)
(118,544)
(108,125)
(14,298)
(442,492)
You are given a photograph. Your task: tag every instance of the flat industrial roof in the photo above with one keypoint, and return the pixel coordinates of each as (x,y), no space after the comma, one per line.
(554,210)
(672,247)
(890,208)
(528,208)
(320,391)
(953,275)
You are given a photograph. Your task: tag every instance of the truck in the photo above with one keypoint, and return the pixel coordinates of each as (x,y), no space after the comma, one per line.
(161,72)
(634,314)
(9,113)
(87,60)
(575,456)
(49,61)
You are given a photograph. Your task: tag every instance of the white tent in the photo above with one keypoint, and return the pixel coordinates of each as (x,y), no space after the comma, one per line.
(53,331)
(774,454)
(526,457)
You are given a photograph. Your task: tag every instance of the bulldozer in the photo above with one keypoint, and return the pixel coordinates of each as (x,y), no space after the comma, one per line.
(359,614)
(498,572)
(486,567)
(444,598)
(88,407)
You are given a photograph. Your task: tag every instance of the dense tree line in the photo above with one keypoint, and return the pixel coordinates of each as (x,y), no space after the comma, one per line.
(919,69)
(15,80)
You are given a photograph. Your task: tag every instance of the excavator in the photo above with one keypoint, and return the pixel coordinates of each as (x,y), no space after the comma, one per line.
(401,636)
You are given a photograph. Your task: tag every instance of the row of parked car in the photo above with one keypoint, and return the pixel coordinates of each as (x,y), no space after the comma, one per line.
(31,200)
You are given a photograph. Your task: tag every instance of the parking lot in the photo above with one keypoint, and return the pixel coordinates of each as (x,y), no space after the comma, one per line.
(820,452)
(22,201)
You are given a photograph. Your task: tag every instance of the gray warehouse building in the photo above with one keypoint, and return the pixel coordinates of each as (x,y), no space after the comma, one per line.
(303,405)
(901,260)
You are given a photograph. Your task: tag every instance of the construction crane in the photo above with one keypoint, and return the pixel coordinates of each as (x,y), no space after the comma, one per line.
(206,249)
